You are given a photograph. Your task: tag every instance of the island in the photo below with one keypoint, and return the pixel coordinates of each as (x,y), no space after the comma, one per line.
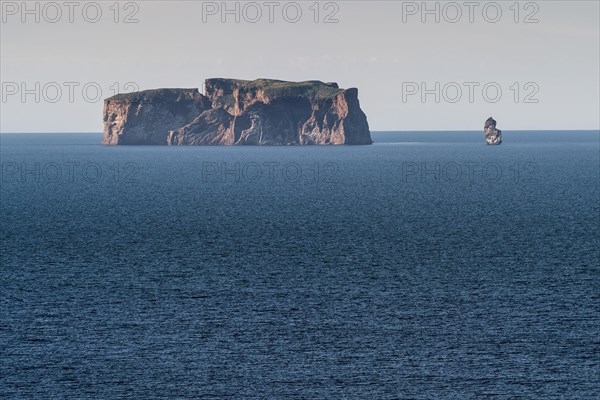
(493,136)
(238,112)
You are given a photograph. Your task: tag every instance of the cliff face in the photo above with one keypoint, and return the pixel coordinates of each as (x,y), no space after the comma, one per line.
(140,118)
(236,112)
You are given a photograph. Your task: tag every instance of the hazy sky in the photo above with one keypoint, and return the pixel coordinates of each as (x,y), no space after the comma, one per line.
(547,71)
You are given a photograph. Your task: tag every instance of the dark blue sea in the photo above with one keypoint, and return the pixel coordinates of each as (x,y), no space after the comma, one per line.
(425,266)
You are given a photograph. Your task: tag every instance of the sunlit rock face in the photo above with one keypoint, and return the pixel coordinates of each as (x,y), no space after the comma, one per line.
(492,135)
(237,112)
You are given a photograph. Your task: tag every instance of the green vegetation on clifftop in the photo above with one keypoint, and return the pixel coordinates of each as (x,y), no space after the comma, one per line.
(272,88)
(152,94)
(276,88)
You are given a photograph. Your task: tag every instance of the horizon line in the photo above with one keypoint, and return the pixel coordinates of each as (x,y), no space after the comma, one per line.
(372,131)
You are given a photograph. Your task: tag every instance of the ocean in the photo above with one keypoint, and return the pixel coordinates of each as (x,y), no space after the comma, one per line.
(425,266)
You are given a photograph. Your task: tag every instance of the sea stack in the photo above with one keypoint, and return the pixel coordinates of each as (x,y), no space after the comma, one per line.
(238,112)
(492,135)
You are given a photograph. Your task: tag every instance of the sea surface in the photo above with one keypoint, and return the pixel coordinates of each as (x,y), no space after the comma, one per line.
(425,266)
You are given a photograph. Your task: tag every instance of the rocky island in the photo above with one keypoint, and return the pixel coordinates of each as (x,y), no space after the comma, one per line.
(492,135)
(238,112)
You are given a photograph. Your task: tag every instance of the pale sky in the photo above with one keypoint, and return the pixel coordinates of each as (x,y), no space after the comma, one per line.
(382,48)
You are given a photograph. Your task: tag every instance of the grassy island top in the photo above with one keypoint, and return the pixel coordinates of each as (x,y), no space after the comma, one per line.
(273,88)
(152,94)
(277,88)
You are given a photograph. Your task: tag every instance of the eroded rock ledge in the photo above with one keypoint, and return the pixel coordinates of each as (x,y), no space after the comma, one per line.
(237,112)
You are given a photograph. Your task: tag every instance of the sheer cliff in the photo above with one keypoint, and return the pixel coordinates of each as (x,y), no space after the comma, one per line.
(238,112)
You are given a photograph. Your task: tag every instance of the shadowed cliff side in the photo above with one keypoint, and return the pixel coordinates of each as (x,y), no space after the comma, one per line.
(237,112)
